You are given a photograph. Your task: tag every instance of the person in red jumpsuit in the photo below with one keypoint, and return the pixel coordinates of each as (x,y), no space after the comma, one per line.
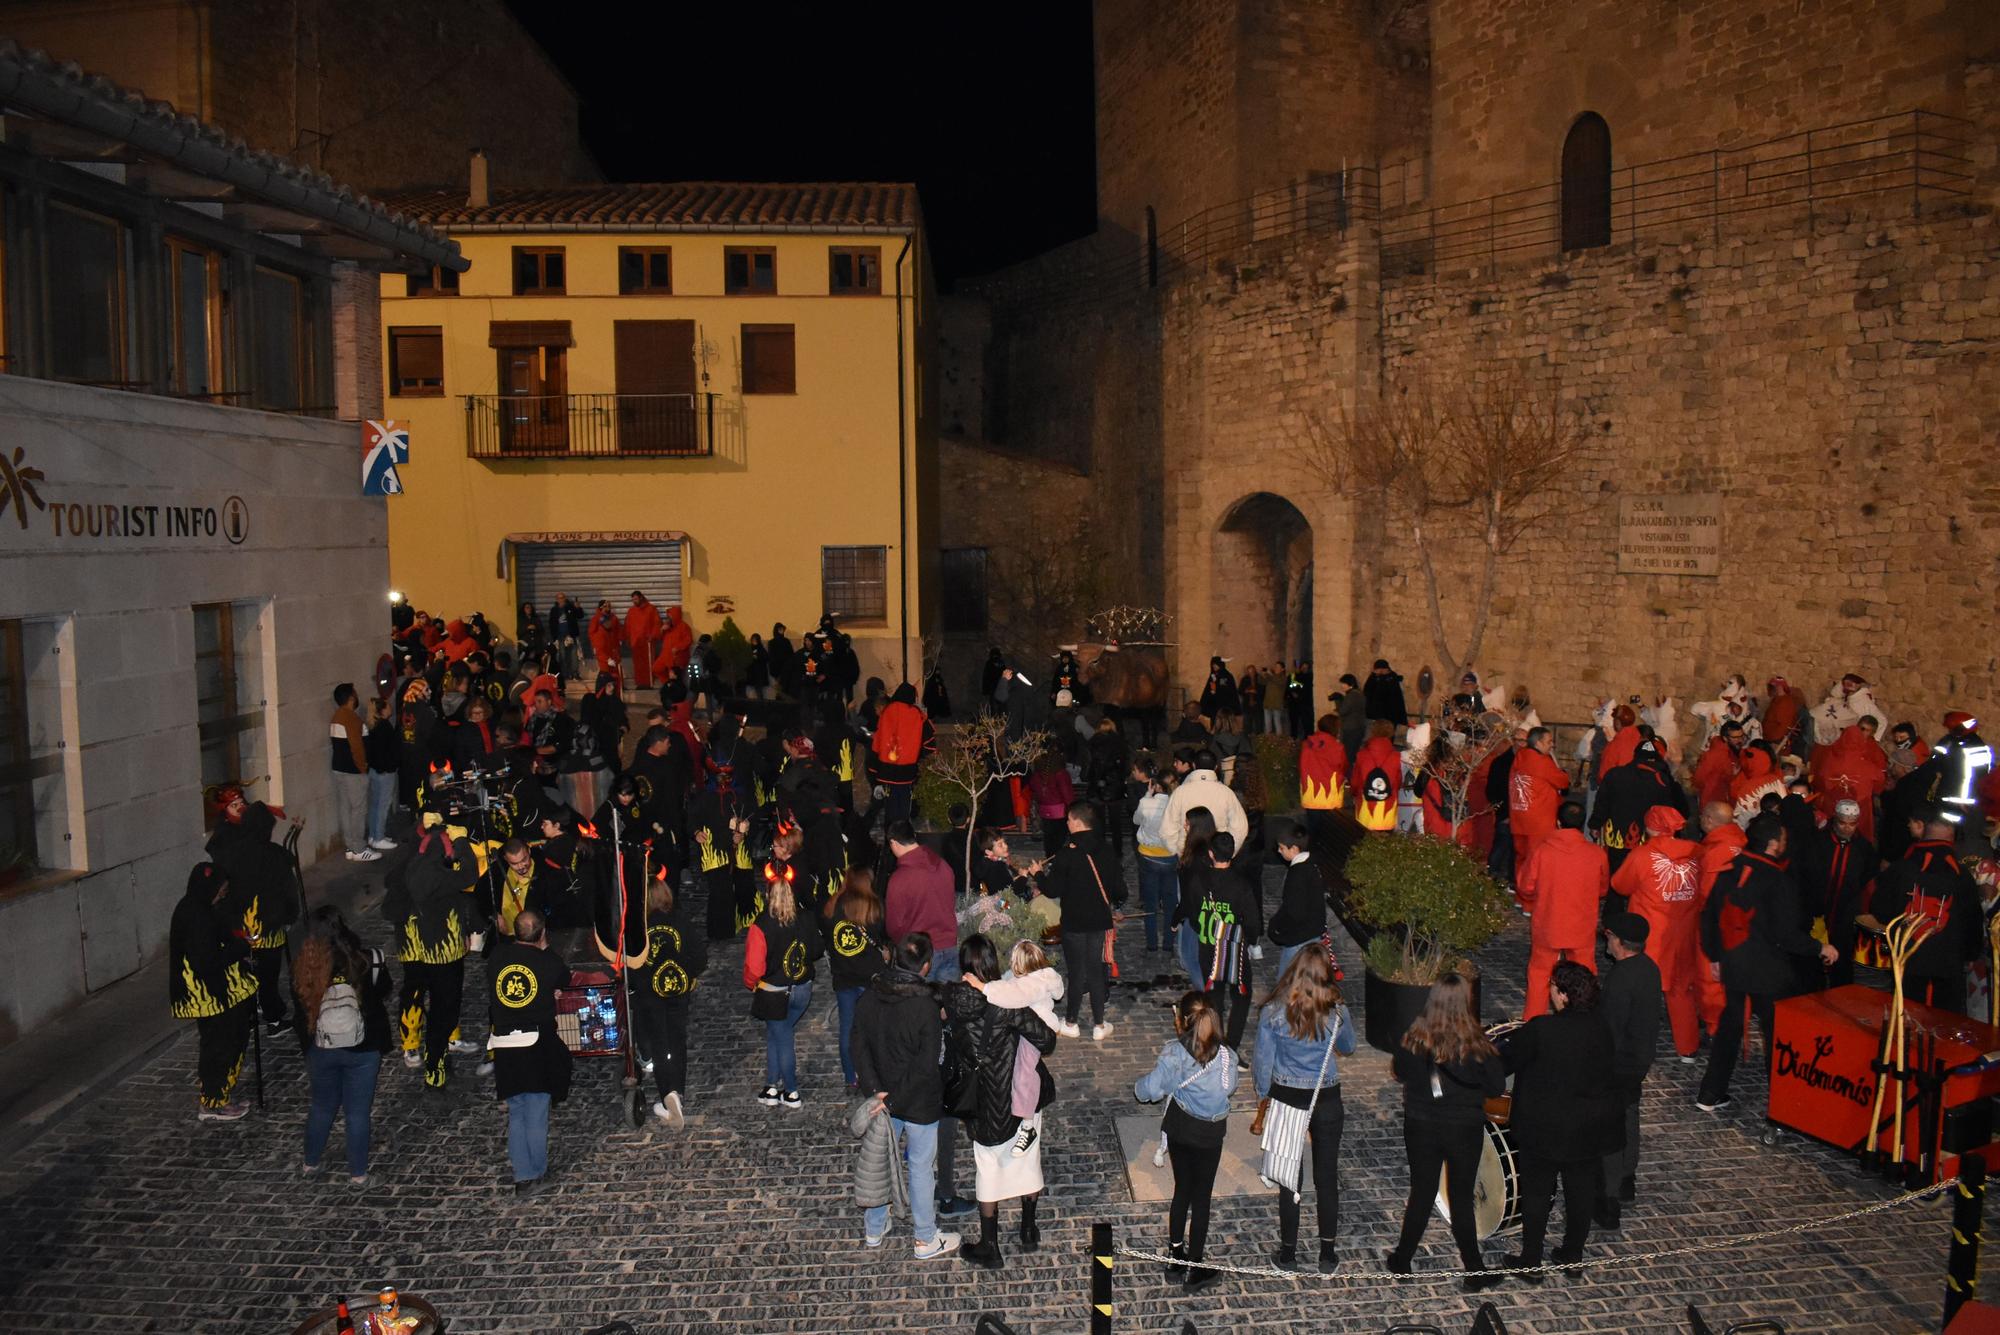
(1534,791)
(1721,840)
(676,644)
(1561,885)
(607,639)
(1717,766)
(1661,879)
(642,632)
(1377,778)
(1853,767)
(1624,743)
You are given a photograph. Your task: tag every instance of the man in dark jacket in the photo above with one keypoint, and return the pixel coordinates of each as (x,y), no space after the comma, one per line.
(1352,707)
(1499,777)
(531,1063)
(264,897)
(1632,1006)
(1929,882)
(1835,866)
(1301,916)
(897,1035)
(1564,1118)
(1627,792)
(1383,694)
(1752,927)
(209,981)
(1076,877)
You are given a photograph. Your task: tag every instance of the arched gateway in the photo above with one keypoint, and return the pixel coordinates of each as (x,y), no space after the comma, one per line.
(1261,583)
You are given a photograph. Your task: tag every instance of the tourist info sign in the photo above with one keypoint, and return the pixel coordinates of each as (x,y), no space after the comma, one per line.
(1670,535)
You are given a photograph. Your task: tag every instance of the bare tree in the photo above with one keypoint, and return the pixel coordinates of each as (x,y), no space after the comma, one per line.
(1482,463)
(1046,582)
(978,755)
(1128,625)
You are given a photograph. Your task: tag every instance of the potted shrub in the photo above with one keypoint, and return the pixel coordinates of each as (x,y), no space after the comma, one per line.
(1431,905)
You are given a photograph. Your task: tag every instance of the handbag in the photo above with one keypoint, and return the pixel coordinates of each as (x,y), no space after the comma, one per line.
(770,1003)
(1111,932)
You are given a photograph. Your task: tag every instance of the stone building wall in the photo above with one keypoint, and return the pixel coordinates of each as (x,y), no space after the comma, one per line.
(1510,76)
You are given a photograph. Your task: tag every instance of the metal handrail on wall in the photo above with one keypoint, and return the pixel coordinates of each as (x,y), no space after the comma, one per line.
(1917,161)
(589,426)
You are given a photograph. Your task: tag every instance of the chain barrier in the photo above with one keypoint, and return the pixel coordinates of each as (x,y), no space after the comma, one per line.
(1619,1259)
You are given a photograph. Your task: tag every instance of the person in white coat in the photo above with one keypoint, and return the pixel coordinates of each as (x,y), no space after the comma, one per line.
(1846,704)
(1201,788)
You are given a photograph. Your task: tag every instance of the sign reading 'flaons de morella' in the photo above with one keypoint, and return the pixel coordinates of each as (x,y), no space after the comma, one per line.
(1670,535)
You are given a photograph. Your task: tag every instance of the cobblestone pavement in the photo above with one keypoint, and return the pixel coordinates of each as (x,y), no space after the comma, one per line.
(132,1217)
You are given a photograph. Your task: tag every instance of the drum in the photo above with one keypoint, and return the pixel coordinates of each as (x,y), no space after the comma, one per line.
(1496,1191)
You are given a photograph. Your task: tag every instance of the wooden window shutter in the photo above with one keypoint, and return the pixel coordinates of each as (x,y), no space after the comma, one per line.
(529,334)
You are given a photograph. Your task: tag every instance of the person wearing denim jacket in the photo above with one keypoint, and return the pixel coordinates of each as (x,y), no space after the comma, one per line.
(1290,1055)
(1196,1074)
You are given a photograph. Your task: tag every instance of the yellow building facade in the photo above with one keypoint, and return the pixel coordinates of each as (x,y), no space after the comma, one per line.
(711,393)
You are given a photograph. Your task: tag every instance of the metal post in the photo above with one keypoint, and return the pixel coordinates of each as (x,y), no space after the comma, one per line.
(1715,196)
(1916,163)
(1100,1279)
(1812,217)
(1968,1208)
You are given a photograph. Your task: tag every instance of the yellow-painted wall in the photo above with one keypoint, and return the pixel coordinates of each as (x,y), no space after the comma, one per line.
(790,474)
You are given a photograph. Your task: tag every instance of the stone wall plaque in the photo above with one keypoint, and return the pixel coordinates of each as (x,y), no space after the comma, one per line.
(1670,535)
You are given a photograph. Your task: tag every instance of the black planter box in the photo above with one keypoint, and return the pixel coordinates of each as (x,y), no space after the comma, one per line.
(1389,1009)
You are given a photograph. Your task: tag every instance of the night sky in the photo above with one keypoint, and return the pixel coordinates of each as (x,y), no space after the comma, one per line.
(986,107)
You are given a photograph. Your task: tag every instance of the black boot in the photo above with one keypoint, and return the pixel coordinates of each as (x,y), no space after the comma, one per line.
(1606,1213)
(1628,1190)
(1286,1257)
(1395,1263)
(986,1251)
(1199,1276)
(1177,1268)
(1031,1233)
(1329,1257)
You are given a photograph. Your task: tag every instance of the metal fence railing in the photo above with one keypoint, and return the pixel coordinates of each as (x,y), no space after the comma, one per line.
(1913,162)
(544,426)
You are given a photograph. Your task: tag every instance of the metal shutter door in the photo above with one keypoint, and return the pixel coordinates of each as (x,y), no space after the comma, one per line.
(588,571)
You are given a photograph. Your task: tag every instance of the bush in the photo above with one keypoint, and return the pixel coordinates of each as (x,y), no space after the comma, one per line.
(1278,763)
(732,650)
(1431,902)
(934,798)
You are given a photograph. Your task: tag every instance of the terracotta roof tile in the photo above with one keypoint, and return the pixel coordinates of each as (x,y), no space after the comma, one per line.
(688,206)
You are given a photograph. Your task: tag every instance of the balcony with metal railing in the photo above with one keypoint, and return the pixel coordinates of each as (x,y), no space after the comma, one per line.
(592,426)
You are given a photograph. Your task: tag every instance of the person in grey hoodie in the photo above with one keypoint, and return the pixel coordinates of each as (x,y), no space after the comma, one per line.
(1196,1073)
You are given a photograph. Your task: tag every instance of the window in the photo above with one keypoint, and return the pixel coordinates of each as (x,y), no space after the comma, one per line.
(416,362)
(749,269)
(645,269)
(194,279)
(538,271)
(1586,184)
(769,363)
(35,833)
(229,708)
(86,297)
(437,281)
(854,271)
(279,342)
(854,582)
(962,578)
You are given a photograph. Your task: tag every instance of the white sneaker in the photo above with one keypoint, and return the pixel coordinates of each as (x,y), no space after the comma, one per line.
(942,1245)
(363,855)
(383,844)
(1068,1029)
(1100,1032)
(676,1116)
(465,1047)
(485,1067)
(353,856)
(1160,1154)
(413,1060)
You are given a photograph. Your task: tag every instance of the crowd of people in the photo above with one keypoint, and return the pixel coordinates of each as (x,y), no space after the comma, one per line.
(535,820)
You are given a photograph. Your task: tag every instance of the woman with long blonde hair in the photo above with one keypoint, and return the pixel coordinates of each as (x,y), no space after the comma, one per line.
(343,991)
(857,950)
(778,958)
(1448,1069)
(1303,1025)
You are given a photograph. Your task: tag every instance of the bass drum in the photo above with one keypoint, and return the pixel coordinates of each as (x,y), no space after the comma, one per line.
(1496,1191)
